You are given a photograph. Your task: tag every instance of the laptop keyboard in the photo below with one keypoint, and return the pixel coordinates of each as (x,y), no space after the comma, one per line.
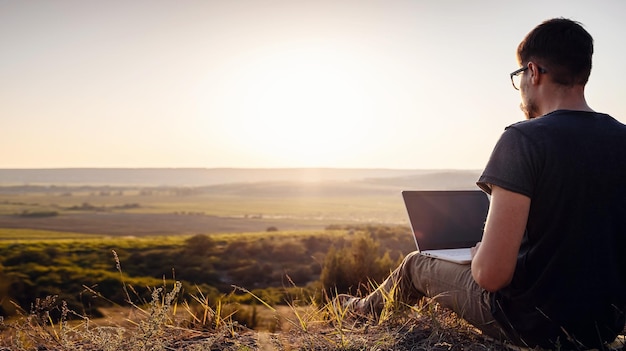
(454,252)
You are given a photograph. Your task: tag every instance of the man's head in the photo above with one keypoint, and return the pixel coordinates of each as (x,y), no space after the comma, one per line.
(562,47)
(555,56)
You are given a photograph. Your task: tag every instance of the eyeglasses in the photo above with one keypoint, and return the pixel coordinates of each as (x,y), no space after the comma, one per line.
(516,78)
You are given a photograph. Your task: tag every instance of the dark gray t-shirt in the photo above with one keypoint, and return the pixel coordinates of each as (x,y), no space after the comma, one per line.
(571,269)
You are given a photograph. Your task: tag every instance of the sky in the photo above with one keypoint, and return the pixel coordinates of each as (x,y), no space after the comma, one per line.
(420,84)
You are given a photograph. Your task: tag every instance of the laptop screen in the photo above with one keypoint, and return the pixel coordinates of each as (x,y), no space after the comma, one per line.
(446,219)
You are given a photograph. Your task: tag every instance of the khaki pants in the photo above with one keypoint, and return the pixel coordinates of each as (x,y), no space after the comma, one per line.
(449,284)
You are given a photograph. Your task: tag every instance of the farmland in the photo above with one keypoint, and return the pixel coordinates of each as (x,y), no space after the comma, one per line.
(59,238)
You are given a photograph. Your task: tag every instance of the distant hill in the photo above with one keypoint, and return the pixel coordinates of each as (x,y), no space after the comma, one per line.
(205,177)
(444,179)
(435,180)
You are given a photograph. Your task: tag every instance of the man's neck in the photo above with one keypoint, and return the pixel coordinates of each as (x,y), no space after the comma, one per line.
(570,98)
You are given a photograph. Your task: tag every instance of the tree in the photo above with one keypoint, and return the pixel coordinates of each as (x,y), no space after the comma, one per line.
(199,245)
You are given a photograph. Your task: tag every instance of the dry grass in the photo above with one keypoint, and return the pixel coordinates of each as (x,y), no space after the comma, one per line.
(160,325)
(199,324)
(169,322)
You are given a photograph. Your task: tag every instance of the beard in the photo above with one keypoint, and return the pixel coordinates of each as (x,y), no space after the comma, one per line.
(529,108)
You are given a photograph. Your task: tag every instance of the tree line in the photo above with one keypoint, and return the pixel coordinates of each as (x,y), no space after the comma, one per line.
(90,273)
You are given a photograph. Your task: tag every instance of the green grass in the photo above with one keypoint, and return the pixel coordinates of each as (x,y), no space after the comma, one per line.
(43,238)
(7,234)
(46,236)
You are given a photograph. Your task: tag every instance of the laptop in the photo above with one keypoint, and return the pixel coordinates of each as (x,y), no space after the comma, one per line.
(446,224)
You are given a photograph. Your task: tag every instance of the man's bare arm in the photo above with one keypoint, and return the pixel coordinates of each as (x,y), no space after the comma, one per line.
(496,256)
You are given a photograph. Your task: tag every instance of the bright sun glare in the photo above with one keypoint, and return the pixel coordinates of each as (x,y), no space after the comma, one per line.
(300,107)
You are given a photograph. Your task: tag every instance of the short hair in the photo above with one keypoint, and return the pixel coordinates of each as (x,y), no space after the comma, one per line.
(563,46)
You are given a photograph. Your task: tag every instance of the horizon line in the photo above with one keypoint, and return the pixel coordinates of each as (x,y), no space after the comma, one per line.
(235,168)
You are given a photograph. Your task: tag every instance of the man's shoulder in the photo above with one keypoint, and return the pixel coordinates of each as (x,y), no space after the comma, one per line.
(527,127)
(567,119)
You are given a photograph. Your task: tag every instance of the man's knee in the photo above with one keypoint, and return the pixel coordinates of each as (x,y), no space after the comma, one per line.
(411,257)
(411,264)
(415,259)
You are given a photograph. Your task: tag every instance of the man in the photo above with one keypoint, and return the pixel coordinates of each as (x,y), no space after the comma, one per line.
(551,268)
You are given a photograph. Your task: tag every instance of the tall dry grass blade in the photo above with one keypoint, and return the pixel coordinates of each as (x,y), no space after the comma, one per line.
(256,297)
(118,266)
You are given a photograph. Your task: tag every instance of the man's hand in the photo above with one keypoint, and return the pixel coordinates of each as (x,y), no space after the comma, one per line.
(474,249)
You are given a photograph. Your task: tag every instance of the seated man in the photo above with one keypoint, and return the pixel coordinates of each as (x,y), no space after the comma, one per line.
(550,270)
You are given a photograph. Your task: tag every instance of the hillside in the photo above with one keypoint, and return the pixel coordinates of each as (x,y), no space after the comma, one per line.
(195,177)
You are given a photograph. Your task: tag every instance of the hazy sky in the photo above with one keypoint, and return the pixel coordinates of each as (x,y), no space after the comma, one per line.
(377,84)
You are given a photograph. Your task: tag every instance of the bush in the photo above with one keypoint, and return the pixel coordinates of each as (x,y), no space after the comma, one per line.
(38,214)
(350,268)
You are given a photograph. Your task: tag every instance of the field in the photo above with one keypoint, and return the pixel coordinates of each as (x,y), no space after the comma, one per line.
(218,201)
(58,238)
(166,212)
(106,249)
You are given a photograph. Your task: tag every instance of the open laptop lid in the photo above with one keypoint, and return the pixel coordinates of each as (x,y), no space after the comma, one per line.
(446,219)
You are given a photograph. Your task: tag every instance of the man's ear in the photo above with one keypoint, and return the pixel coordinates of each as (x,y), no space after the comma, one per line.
(535,74)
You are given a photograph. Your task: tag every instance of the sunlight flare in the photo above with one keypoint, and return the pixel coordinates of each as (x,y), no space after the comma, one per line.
(305,107)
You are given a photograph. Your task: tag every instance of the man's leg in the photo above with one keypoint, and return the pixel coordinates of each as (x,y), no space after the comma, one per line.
(447,283)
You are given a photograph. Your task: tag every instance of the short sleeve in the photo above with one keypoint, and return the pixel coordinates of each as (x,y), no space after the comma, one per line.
(513,164)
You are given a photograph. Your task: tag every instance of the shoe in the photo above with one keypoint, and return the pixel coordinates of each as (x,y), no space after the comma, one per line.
(346,301)
(350,305)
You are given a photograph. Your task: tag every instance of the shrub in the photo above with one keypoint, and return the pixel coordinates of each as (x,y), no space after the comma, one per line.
(38,214)
(352,267)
